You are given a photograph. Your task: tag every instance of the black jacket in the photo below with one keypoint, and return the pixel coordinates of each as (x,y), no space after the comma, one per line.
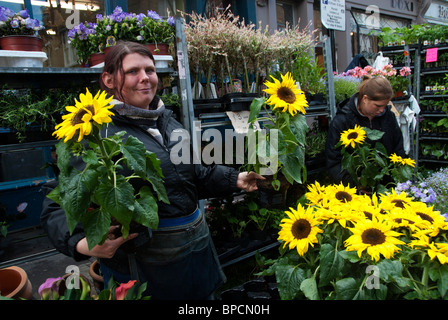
(347,117)
(185,183)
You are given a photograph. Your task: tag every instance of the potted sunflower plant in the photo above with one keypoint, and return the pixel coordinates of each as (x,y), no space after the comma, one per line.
(368,164)
(278,150)
(339,245)
(94,191)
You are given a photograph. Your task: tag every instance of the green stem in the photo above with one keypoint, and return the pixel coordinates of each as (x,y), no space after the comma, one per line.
(95,136)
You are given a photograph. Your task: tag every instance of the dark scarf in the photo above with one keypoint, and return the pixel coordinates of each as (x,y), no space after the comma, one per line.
(145,118)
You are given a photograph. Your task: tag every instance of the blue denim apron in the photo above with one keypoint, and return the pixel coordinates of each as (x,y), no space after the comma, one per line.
(180,261)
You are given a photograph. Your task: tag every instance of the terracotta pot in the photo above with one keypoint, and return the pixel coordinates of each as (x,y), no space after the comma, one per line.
(94,271)
(398,94)
(14,283)
(160,48)
(96,58)
(21,43)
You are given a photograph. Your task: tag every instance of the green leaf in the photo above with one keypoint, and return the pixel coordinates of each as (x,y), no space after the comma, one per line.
(96,225)
(292,163)
(154,175)
(373,134)
(64,156)
(331,264)
(299,128)
(255,108)
(289,279)
(309,288)
(346,289)
(90,157)
(440,275)
(146,209)
(77,190)
(117,200)
(351,256)
(135,154)
(391,270)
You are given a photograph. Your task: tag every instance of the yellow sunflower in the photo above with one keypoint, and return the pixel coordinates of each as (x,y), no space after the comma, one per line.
(374,236)
(300,229)
(315,193)
(351,137)
(285,95)
(438,250)
(403,218)
(395,158)
(365,208)
(390,201)
(400,160)
(341,194)
(85,111)
(426,217)
(408,162)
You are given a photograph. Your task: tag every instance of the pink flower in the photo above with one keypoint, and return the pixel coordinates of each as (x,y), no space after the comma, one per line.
(405,71)
(49,287)
(122,290)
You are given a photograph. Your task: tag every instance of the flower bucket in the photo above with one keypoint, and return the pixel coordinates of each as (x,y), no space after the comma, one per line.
(21,43)
(14,58)
(96,59)
(14,283)
(159,48)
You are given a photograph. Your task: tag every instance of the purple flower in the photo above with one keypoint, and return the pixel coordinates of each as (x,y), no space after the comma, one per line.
(24,13)
(15,23)
(170,21)
(49,284)
(154,15)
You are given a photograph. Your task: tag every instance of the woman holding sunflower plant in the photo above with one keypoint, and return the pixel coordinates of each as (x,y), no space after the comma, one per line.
(369,108)
(177,260)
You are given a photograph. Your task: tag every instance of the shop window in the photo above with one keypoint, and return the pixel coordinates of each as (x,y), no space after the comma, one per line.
(284,15)
(363,31)
(163,8)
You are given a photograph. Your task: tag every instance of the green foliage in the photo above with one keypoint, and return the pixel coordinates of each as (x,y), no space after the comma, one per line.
(308,73)
(281,147)
(101,190)
(20,109)
(329,272)
(368,163)
(345,87)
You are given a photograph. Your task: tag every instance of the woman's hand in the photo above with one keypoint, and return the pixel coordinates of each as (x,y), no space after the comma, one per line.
(107,249)
(247,181)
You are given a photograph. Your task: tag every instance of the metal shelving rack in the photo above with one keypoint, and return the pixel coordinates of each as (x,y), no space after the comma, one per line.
(419,73)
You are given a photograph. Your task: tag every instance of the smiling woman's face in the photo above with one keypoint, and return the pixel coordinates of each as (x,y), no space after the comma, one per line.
(140,80)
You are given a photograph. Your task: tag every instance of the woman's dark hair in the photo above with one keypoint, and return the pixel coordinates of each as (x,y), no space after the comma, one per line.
(376,88)
(113,62)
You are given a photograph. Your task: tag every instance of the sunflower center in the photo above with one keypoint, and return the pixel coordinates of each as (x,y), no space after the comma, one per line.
(424,216)
(301,229)
(352,135)
(400,220)
(343,196)
(398,203)
(368,215)
(373,236)
(77,118)
(286,95)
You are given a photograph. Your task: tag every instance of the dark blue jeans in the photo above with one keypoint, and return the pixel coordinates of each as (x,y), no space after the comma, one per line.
(179,263)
